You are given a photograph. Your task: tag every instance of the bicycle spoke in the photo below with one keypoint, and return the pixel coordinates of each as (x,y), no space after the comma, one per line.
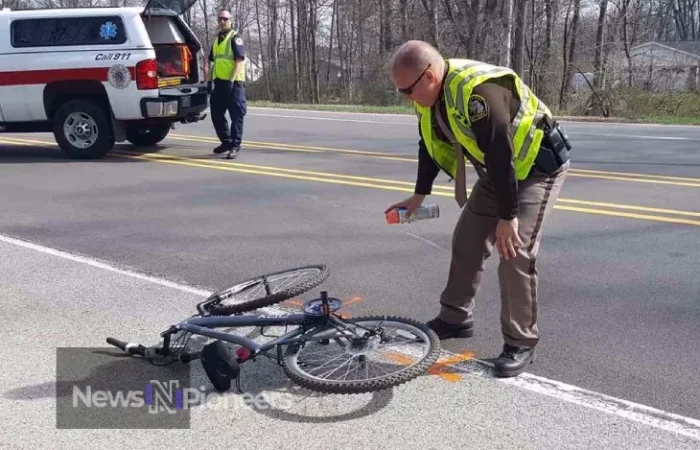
(275,283)
(394,351)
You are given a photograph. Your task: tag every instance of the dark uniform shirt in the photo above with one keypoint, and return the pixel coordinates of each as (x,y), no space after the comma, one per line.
(236,45)
(492,106)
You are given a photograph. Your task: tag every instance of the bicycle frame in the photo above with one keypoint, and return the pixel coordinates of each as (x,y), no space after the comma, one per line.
(205,326)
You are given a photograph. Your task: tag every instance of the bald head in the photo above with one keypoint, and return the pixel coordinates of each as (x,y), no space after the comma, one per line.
(415,56)
(417,69)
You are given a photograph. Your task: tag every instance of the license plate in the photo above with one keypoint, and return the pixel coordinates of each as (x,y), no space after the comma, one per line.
(186,102)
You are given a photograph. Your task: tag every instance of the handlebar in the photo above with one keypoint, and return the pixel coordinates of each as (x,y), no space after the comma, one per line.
(138,349)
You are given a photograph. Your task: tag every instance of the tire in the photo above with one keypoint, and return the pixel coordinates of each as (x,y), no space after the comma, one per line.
(83,129)
(290,362)
(145,136)
(314,276)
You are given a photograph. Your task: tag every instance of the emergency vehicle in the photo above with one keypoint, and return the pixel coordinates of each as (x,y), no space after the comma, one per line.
(96,76)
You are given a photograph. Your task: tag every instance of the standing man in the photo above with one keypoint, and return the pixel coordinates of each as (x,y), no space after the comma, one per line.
(488,115)
(227,72)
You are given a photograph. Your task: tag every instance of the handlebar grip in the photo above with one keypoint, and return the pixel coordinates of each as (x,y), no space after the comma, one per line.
(117,343)
(127,347)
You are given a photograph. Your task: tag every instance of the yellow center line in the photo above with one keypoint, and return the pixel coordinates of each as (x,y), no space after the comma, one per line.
(304,149)
(631,207)
(395,185)
(379,184)
(26,142)
(283,170)
(638,175)
(291,146)
(243,169)
(634,178)
(580,173)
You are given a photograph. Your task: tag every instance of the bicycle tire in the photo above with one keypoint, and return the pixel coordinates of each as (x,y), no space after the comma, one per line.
(367,385)
(218,309)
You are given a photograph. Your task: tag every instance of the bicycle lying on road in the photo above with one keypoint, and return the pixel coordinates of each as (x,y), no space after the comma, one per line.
(325,352)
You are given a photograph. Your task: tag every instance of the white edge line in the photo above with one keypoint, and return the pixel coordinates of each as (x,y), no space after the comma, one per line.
(103,265)
(636,412)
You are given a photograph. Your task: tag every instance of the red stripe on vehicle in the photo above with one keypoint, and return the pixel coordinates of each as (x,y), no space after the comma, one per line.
(26,77)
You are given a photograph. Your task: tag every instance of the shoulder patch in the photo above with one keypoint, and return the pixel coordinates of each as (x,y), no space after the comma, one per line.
(478,109)
(238,40)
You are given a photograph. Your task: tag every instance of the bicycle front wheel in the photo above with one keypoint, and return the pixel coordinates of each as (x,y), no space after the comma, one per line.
(266,290)
(340,360)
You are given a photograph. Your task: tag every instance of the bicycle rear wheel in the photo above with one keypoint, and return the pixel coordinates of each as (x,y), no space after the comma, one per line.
(401,350)
(265,290)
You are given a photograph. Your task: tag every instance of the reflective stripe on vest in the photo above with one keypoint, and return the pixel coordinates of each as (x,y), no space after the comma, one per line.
(224,64)
(462,77)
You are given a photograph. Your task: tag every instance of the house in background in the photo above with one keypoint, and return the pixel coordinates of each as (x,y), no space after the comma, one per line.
(665,65)
(253,67)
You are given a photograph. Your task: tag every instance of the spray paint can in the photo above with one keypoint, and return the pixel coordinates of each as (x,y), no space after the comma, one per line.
(398,215)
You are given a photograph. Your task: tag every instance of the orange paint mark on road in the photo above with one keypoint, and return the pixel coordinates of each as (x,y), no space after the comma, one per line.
(439,368)
(294,302)
(352,300)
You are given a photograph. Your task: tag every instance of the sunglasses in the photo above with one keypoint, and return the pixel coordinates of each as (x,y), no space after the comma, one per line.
(409,90)
(223,19)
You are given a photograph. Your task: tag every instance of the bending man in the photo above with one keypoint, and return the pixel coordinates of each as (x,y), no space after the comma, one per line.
(486,114)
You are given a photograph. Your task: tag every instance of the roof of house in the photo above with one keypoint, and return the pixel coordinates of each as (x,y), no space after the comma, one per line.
(689,47)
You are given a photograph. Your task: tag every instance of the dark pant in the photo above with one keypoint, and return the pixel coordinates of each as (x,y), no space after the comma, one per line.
(229,97)
(473,242)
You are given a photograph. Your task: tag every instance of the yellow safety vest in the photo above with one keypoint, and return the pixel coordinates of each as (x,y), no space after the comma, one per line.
(224,63)
(462,77)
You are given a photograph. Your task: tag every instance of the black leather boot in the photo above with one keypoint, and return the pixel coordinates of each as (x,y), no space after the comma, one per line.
(446,330)
(513,360)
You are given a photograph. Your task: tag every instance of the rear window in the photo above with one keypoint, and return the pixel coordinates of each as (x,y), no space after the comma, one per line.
(65,31)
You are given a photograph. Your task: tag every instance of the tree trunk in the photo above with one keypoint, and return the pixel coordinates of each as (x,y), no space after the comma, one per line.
(295,48)
(267,78)
(386,26)
(273,48)
(507,21)
(600,45)
(519,48)
(403,4)
(569,66)
(334,12)
(312,27)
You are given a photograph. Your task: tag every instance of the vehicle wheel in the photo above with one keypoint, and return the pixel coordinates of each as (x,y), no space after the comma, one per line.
(266,290)
(375,353)
(143,136)
(83,130)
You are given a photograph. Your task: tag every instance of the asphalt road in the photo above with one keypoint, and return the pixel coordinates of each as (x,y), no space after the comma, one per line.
(618,267)
(76,302)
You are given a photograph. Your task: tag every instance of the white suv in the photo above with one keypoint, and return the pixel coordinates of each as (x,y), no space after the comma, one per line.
(97,76)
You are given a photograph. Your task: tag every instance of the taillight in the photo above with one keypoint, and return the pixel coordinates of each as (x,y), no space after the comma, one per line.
(147,74)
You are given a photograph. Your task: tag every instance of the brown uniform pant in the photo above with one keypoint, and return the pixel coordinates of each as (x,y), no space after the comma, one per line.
(473,242)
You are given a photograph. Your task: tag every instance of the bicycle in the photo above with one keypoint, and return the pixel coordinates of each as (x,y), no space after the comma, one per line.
(318,327)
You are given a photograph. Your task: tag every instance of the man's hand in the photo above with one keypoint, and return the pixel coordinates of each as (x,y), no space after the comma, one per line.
(507,238)
(411,204)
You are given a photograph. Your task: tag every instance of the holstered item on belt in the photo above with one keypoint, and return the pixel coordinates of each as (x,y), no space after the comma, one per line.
(555,148)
